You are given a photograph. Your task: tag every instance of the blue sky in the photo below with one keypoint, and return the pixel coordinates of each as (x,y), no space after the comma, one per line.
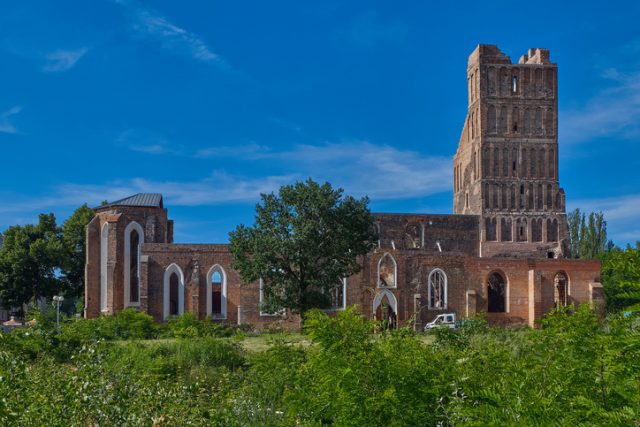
(213,102)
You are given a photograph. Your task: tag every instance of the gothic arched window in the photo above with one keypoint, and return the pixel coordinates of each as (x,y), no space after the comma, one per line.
(387,272)
(217,292)
(437,291)
(560,290)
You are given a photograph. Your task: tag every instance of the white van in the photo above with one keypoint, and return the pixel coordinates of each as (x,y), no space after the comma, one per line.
(447,320)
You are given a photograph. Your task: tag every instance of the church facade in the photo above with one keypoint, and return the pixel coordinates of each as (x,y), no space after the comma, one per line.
(503,252)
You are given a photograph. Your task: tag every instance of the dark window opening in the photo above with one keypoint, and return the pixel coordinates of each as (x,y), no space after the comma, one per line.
(133,267)
(521,188)
(550,254)
(496,294)
(515,126)
(173,294)
(216,293)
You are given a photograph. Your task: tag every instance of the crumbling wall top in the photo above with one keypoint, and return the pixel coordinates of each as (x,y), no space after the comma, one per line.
(491,54)
(535,55)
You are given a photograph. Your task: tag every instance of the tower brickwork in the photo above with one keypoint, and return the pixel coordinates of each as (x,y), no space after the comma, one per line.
(506,165)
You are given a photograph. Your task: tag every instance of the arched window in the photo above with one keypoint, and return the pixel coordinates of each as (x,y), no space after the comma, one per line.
(491,119)
(560,290)
(173,298)
(217,293)
(490,229)
(552,230)
(506,229)
(502,120)
(536,230)
(385,308)
(104,250)
(413,236)
(387,272)
(133,240)
(437,291)
(174,285)
(515,116)
(496,293)
(521,230)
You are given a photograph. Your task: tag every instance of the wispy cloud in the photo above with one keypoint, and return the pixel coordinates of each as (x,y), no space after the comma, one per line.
(146,142)
(615,111)
(62,60)
(5,124)
(152,25)
(249,151)
(364,168)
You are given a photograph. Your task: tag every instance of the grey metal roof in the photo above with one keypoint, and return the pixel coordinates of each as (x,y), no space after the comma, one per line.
(140,199)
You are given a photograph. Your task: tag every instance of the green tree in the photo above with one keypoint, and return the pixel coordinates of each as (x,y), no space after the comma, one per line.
(73,240)
(588,234)
(28,261)
(621,278)
(304,241)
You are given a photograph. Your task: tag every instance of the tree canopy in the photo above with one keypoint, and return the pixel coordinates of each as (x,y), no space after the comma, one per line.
(28,261)
(73,241)
(43,260)
(588,234)
(304,241)
(621,278)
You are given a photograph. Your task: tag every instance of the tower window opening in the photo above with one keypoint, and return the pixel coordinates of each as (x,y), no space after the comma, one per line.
(521,188)
(515,126)
(514,84)
(514,165)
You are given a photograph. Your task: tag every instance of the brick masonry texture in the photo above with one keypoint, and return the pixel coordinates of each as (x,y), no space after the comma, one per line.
(504,252)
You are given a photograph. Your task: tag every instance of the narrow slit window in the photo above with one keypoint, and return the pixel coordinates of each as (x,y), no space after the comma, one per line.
(514,84)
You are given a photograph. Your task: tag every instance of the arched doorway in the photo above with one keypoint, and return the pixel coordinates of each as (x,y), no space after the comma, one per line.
(385,309)
(496,293)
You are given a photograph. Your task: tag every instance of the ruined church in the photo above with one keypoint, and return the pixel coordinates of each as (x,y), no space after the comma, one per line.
(504,252)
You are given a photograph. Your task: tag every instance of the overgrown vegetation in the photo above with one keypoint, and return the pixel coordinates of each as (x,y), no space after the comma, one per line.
(42,260)
(574,371)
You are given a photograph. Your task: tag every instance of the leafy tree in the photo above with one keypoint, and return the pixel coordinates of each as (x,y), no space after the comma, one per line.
(304,240)
(28,261)
(588,234)
(621,278)
(73,240)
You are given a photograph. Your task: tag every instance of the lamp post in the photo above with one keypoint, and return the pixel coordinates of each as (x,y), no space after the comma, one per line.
(57,300)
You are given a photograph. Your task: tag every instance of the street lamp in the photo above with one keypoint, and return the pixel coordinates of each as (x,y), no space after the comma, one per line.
(57,300)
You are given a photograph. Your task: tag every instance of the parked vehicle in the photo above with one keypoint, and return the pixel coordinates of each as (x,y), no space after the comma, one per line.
(447,320)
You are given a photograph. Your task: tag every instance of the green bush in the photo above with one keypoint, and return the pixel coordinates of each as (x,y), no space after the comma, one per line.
(575,370)
(188,326)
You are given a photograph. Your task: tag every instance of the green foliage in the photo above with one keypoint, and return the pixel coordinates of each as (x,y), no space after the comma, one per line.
(188,326)
(73,241)
(28,261)
(43,260)
(304,241)
(621,279)
(575,370)
(588,234)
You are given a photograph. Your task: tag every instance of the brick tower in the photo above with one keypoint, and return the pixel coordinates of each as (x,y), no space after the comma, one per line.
(506,165)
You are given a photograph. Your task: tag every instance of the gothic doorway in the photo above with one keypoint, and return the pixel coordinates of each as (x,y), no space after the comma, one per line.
(385,309)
